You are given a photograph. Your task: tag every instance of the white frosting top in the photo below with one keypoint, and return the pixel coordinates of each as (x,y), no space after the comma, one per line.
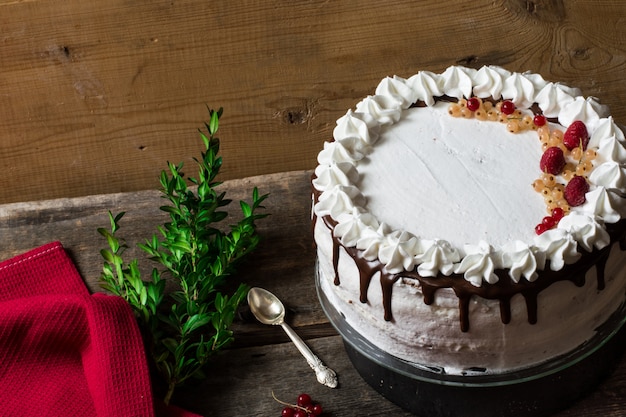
(470,208)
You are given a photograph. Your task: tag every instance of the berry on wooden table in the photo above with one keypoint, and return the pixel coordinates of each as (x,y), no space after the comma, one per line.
(304,400)
(317,410)
(304,407)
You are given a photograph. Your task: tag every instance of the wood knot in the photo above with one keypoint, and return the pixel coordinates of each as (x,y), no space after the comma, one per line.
(295,116)
(542,10)
(65,51)
(468,61)
(59,54)
(293,111)
(531,7)
(581,54)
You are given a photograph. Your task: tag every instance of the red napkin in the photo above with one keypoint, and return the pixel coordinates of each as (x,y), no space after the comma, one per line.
(65,352)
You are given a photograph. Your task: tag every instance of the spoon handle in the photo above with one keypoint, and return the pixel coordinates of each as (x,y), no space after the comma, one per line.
(325,375)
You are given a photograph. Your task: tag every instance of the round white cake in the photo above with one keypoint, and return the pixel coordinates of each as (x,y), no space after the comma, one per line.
(444,238)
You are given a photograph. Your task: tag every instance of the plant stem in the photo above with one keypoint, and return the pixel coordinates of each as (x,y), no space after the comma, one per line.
(169,393)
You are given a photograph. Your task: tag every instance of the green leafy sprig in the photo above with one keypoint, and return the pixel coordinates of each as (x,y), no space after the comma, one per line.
(184,327)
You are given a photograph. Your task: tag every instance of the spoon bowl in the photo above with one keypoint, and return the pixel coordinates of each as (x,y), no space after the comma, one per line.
(268,309)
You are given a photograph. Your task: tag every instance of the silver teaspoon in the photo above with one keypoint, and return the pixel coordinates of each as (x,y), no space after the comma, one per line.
(268,309)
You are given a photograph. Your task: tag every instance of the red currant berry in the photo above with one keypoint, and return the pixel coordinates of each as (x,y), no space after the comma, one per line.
(539,120)
(300,413)
(288,412)
(473,104)
(317,410)
(304,400)
(549,222)
(507,107)
(557,213)
(540,228)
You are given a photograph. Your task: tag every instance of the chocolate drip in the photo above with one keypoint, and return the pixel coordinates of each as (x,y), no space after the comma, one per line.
(367,269)
(600,267)
(387,281)
(531,307)
(336,261)
(503,290)
(505,311)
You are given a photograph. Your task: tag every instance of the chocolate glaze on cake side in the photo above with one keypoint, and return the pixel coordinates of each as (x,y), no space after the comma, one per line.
(503,290)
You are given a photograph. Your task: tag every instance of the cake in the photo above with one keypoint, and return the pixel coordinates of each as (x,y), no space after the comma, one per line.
(471,222)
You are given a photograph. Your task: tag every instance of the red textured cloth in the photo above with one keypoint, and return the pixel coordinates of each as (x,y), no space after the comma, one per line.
(65,352)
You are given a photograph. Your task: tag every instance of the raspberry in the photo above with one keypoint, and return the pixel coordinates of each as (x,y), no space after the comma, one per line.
(575,191)
(552,160)
(576,135)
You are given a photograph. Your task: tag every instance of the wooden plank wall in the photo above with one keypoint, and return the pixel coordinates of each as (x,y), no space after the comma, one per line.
(95,96)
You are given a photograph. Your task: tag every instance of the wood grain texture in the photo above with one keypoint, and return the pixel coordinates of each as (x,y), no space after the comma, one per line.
(97,96)
(261,360)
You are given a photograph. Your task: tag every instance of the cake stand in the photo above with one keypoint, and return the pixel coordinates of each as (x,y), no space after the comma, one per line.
(535,391)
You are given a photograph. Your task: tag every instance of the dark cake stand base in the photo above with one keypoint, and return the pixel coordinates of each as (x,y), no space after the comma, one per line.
(540,397)
(538,391)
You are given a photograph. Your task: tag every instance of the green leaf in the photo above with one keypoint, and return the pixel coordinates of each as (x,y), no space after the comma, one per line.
(166,369)
(195,322)
(172,210)
(170,344)
(245,208)
(162,357)
(107,255)
(114,244)
(205,140)
(143,296)
(220,302)
(214,123)
(110,288)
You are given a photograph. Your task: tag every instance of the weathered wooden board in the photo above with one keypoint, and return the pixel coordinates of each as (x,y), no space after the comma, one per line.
(261,360)
(96,96)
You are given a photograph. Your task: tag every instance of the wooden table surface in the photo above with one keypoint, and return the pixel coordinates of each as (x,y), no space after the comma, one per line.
(99,93)
(261,360)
